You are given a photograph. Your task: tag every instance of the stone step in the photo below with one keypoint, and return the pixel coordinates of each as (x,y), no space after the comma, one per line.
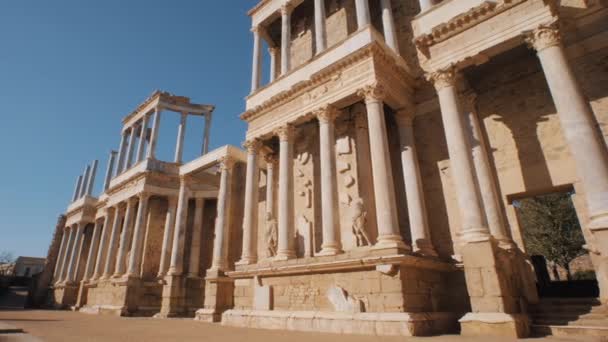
(570,331)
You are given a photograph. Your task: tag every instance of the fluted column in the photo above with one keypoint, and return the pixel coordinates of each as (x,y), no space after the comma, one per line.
(130,149)
(76,249)
(68,254)
(388,23)
(181,133)
(250,217)
(273,52)
(139,233)
(416,207)
(176,267)
(329,195)
(256,68)
(205,148)
(165,254)
(320,41)
(62,253)
(363,17)
(425,5)
(286,10)
(578,124)
(121,154)
(142,138)
(108,178)
(77,189)
(90,265)
(113,243)
(222,227)
(195,247)
(104,245)
(382,174)
(154,136)
(125,239)
(286,248)
(473,224)
(270,167)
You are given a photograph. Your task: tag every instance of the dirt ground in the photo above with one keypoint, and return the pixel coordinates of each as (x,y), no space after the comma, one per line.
(65,326)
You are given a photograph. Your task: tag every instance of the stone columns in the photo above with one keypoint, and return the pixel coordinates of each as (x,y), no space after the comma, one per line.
(104,245)
(69,250)
(62,252)
(142,138)
(130,149)
(139,233)
(389,235)
(176,267)
(256,68)
(270,167)
(222,227)
(329,193)
(90,266)
(363,17)
(250,217)
(474,226)
(195,247)
(205,148)
(286,243)
(92,176)
(77,189)
(154,136)
(85,181)
(121,153)
(108,178)
(181,132)
(416,207)
(165,255)
(285,38)
(72,266)
(113,245)
(425,5)
(388,23)
(320,41)
(125,239)
(274,52)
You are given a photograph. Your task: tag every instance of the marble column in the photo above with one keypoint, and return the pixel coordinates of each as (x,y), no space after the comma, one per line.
(473,224)
(85,181)
(270,167)
(205,148)
(108,178)
(121,154)
(113,243)
(363,17)
(256,68)
(222,222)
(68,254)
(77,189)
(273,52)
(425,5)
(139,234)
(414,192)
(103,245)
(130,149)
(286,243)
(165,254)
(91,258)
(195,246)
(329,194)
(92,176)
(181,133)
(286,10)
(487,186)
(76,249)
(142,138)
(320,41)
(154,136)
(388,23)
(125,239)
(577,121)
(389,235)
(176,267)
(61,255)
(250,217)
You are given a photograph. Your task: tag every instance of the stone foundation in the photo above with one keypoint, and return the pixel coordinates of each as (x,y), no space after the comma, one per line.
(495,324)
(65,296)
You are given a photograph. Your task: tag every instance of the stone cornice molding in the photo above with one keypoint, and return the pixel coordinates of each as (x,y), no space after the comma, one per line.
(543,37)
(373,50)
(372,93)
(326,114)
(443,78)
(285,132)
(252,146)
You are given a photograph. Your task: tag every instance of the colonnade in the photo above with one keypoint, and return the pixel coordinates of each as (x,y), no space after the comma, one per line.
(85,182)
(320,38)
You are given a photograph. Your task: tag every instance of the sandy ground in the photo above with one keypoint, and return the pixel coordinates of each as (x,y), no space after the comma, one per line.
(72,326)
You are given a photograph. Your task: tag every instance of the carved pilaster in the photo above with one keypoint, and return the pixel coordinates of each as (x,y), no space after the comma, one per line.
(543,37)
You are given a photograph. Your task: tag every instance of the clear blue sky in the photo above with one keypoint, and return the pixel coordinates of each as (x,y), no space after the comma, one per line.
(70,70)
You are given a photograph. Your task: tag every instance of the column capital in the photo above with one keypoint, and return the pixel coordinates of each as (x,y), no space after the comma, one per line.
(374,92)
(270,159)
(274,50)
(405,116)
(285,132)
(443,78)
(256,30)
(543,37)
(226,163)
(144,195)
(326,114)
(252,146)
(287,8)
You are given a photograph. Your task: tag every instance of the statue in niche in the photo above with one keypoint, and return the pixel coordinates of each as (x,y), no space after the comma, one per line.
(271,235)
(358,217)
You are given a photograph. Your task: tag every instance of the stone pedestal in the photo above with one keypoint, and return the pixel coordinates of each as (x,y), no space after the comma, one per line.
(173,297)
(65,295)
(82,295)
(218,297)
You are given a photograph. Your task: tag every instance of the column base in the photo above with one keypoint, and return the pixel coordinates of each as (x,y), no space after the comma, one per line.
(495,324)
(282,256)
(219,292)
(247,261)
(424,247)
(392,241)
(328,251)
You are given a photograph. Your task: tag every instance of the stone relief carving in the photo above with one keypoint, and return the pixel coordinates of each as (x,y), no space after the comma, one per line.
(343,302)
(271,235)
(358,217)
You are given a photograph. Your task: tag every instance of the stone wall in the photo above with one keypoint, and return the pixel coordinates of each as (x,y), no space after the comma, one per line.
(153,240)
